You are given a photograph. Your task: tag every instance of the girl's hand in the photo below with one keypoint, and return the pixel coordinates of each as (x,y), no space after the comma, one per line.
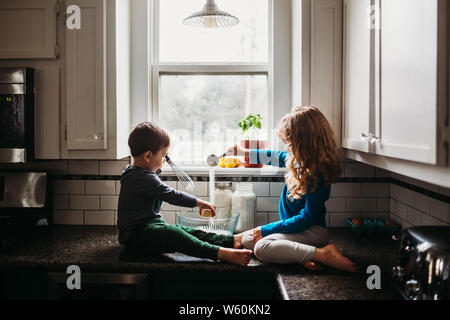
(237,150)
(257,235)
(206,205)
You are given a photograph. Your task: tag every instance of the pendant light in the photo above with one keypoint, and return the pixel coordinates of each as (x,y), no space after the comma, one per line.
(211,17)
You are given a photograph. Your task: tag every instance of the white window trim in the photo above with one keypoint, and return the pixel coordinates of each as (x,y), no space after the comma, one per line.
(278,68)
(218,68)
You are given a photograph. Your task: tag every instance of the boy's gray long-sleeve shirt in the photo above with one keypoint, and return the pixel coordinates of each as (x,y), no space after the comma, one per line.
(141,195)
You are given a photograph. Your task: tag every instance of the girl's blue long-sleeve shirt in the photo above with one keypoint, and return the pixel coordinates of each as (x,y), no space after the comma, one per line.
(300,214)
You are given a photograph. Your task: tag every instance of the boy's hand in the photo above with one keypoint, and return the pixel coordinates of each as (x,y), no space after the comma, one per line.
(206,205)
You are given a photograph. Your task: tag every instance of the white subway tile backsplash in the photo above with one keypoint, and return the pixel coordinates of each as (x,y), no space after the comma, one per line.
(99,218)
(117,187)
(83,167)
(383,205)
(267,203)
(172,184)
(68,187)
(60,202)
(261,189)
(346,190)
(361,204)
(84,202)
(391,205)
(381,215)
(169,217)
(276,188)
(336,205)
(402,222)
(430,221)
(375,190)
(200,189)
(439,209)
(68,217)
(109,202)
(273,217)
(337,219)
(422,202)
(261,218)
(107,167)
(401,210)
(402,194)
(100,187)
(414,216)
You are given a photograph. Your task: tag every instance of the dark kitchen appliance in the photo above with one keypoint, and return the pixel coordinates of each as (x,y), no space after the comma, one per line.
(16,115)
(24,207)
(422,271)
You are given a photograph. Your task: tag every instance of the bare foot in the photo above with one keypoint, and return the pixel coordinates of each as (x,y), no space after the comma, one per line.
(237,256)
(313,266)
(238,240)
(330,255)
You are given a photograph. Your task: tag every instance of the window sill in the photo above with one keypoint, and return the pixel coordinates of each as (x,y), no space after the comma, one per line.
(266,171)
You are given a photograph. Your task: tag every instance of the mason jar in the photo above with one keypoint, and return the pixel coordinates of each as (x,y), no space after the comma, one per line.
(222,197)
(243,202)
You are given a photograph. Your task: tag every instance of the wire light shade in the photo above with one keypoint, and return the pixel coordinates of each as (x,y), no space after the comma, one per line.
(211,17)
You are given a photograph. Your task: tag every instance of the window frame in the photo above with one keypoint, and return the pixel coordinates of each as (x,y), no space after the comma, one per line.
(207,68)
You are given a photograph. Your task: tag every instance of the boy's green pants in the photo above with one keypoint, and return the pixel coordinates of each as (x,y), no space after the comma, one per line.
(159,237)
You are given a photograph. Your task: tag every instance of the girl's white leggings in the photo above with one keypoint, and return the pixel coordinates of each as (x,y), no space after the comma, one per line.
(288,247)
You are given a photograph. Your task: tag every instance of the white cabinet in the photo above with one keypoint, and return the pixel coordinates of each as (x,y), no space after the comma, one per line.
(356,75)
(86,79)
(97,78)
(395,79)
(28,29)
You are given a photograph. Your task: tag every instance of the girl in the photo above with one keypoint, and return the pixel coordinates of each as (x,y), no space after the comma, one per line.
(313,164)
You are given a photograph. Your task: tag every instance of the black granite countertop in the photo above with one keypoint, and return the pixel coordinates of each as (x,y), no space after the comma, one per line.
(96,249)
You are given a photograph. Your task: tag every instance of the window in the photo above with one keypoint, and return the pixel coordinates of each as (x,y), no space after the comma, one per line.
(206,80)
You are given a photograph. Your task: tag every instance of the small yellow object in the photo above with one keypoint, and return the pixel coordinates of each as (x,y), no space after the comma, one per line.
(206,213)
(229,162)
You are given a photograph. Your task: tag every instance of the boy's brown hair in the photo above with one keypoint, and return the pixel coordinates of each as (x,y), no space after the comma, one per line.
(147,136)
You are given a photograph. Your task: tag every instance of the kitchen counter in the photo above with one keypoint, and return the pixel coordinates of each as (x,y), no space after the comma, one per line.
(96,249)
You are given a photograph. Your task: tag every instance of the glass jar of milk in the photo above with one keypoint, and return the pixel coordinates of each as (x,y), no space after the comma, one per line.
(243,202)
(222,199)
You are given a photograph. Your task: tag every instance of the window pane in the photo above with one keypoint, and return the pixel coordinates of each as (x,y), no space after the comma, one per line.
(248,41)
(201,112)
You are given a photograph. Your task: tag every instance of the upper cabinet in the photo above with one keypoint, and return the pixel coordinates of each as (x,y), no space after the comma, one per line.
(28,29)
(357,81)
(86,101)
(395,100)
(97,78)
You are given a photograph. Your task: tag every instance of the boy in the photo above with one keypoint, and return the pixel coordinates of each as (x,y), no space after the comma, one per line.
(141,226)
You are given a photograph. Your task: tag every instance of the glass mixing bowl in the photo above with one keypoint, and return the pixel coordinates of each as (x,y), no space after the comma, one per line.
(194,220)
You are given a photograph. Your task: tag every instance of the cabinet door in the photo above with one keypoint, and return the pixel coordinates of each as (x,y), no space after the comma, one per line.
(27,29)
(326,61)
(357,75)
(408,80)
(86,78)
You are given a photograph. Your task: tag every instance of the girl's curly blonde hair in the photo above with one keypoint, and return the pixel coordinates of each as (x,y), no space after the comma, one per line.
(312,150)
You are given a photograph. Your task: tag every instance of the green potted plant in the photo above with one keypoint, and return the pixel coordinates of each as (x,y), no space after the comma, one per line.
(251,126)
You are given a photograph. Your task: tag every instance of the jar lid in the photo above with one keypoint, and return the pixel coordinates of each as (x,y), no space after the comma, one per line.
(223,184)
